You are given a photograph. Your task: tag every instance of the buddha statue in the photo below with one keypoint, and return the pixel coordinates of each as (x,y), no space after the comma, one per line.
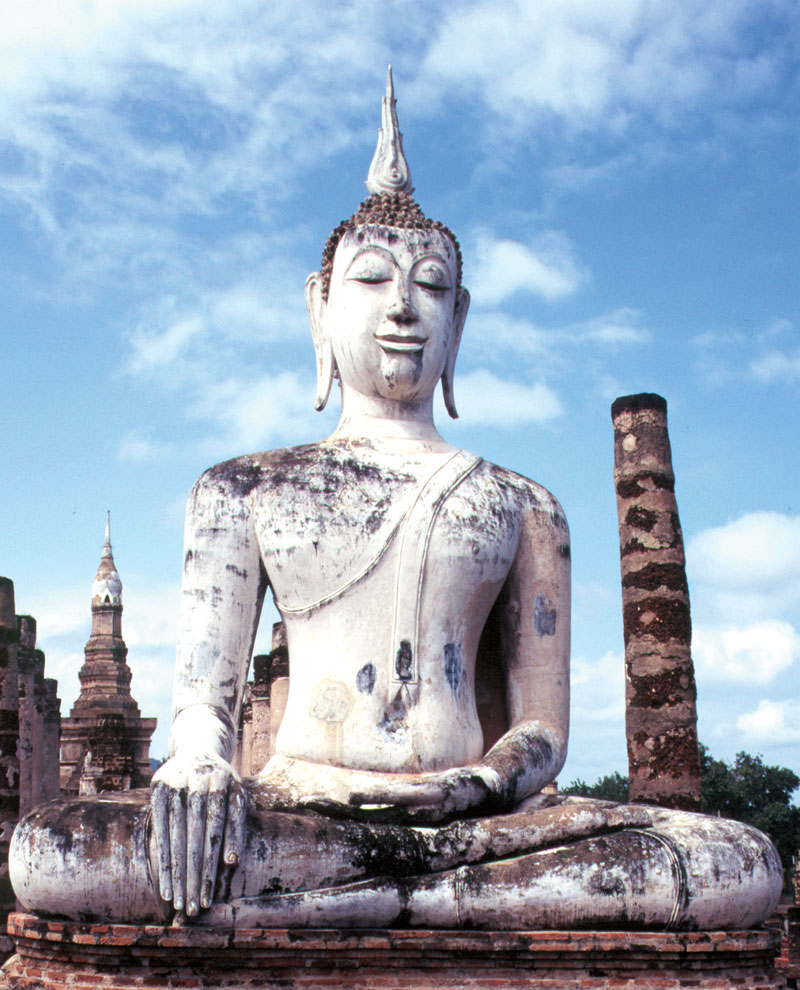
(425,594)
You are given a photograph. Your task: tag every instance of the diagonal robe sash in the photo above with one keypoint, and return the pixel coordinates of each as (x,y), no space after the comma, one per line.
(413,529)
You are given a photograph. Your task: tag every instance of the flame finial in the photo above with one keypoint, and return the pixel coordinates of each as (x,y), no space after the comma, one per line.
(389,172)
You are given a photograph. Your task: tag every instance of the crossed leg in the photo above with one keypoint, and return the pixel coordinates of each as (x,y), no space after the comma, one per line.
(575,864)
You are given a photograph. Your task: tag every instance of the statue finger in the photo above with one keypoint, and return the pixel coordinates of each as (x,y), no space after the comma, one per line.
(234,825)
(195,845)
(160,806)
(215,827)
(177,846)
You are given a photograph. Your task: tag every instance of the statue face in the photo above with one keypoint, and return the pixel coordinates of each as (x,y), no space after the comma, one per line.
(392,317)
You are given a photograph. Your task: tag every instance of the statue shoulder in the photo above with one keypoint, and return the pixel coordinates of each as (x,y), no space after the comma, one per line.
(239,476)
(531,498)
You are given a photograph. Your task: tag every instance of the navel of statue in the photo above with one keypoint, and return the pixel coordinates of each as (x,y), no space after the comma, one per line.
(425,595)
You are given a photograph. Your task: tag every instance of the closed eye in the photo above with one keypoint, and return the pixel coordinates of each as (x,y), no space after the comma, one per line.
(370,278)
(431,286)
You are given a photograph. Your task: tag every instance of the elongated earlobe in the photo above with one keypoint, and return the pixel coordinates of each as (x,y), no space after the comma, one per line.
(326,365)
(462,305)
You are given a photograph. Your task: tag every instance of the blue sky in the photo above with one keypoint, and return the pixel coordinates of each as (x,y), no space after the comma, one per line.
(623,177)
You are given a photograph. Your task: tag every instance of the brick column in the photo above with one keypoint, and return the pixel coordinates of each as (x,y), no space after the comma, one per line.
(660,694)
(279,680)
(260,750)
(37,764)
(26,660)
(51,743)
(9,739)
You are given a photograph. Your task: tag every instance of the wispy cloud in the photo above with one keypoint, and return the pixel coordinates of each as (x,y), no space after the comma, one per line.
(747,567)
(494,335)
(502,268)
(119,118)
(203,336)
(600,66)
(752,654)
(769,355)
(776,366)
(745,599)
(488,400)
(771,723)
(250,414)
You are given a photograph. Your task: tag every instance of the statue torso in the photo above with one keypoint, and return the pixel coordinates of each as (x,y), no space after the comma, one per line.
(329,520)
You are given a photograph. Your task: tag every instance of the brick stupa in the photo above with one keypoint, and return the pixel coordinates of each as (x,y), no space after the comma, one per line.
(105,742)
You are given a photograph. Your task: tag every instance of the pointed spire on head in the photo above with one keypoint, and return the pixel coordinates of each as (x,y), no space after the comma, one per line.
(390,202)
(389,171)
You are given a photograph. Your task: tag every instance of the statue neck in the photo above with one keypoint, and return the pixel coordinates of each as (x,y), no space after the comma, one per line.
(375,418)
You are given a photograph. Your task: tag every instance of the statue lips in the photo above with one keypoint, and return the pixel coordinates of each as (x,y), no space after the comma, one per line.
(400,341)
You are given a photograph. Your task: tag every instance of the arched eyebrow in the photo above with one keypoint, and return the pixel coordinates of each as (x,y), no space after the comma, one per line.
(371,248)
(431,256)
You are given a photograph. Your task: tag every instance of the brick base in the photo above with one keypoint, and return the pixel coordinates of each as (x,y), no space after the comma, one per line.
(788,963)
(73,956)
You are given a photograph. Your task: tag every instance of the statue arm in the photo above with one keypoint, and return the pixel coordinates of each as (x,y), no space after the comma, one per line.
(535,640)
(198,801)
(222,593)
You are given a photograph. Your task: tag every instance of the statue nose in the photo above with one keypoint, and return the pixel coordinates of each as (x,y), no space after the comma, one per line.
(401,309)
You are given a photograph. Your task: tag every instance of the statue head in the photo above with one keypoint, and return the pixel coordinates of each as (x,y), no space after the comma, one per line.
(387,307)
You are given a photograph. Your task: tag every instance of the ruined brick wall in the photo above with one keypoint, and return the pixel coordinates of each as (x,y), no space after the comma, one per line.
(660,693)
(264,705)
(9,740)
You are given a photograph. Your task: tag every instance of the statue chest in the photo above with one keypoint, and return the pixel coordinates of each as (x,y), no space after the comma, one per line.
(317,545)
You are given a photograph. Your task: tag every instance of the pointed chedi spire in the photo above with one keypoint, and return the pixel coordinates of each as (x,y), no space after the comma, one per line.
(107,587)
(105,742)
(107,541)
(389,172)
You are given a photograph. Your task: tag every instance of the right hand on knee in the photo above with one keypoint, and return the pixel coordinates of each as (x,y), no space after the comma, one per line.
(199,806)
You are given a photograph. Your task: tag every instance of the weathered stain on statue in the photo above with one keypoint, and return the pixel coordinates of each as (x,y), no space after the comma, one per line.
(365,678)
(545,616)
(331,701)
(453,667)
(404,660)
(394,724)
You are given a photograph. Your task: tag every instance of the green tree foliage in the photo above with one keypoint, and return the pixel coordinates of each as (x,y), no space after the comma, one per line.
(613,787)
(747,790)
(750,791)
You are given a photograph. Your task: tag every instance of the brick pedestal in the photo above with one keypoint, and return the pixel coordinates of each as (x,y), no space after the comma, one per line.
(788,963)
(72,956)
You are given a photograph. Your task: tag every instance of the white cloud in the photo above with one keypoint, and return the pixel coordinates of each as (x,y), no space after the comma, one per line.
(123,118)
(250,414)
(771,723)
(140,449)
(151,613)
(612,329)
(768,355)
(493,332)
(752,654)
(599,65)
(157,350)
(483,399)
(61,611)
(747,567)
(504,267)
(598,689)
(776,366)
